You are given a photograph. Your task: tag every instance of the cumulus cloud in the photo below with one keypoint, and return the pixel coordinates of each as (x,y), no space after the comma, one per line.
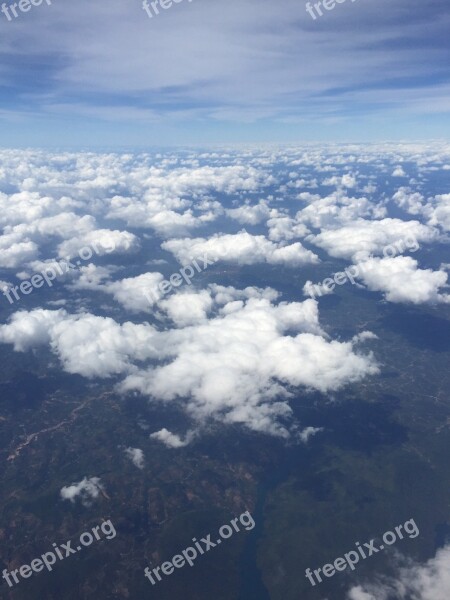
(21,242)
(141,294)
(346,181)
(250,214)
(398,172)
(241,248)
(61,225)
(165,197)
(436,211)
(28,206)
(412,202)
(236,365)
(400,280)
(172,440)
(338,209)
(15,251)
(370,237)
(136,455)
(428,581)
(169,223)
(103,241)
(175,200)
(28,330)
(309,432)
(313,289)
(86,489)
(92,277)
(228,294)
(88,345)
(136,294)
(188,308)
(282,228)
(228,179)
(63,197)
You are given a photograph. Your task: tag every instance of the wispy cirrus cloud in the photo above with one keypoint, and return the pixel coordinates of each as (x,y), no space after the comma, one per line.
(239,63)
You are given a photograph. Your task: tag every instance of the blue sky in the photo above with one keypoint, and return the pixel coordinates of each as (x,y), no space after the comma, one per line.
(103,74)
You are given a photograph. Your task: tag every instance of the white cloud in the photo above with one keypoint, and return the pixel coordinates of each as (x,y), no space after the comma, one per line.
(102,241)
(141,294)
(136,455)
(15,251)
(370,237)
(347,181)
(188,308)
(410,201)
(228,294)
(282,228)
(428,581)
(398,172)
(439,213)
(230,179)
(92,277)
(248,214)
(86,489)
(337,210)
(235,367)
(435,210)
(89,345)
(169,223)
(28,206)
(135,293)
(173,201)
(27,330)
(309,432)
(400,280)
(313,289)
(172,440)
(241,248)
(62,225)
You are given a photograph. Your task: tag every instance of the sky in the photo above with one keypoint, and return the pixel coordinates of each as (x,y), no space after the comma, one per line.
(104,74)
